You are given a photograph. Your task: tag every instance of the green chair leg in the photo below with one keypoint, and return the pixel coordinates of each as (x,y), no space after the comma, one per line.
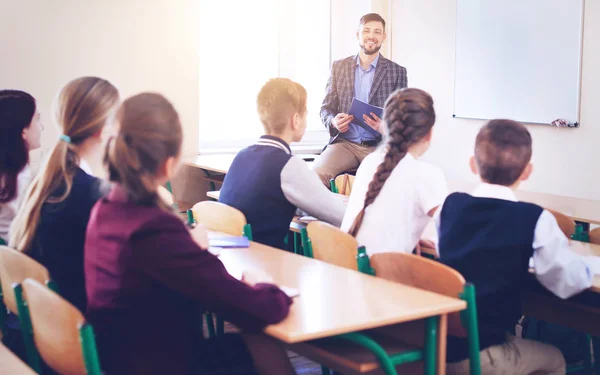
(298,249)
(384,360)
(33,357)
(469,321)
(90,352)
(325,370)
(430,345)
(306,244)
(247,232)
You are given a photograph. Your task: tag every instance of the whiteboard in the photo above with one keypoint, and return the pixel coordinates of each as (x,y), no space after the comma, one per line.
(518,59)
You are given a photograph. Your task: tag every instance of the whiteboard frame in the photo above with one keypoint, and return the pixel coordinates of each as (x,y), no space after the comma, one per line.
(577,123)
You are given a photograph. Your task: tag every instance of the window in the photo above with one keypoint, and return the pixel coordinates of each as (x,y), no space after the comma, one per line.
(245,43)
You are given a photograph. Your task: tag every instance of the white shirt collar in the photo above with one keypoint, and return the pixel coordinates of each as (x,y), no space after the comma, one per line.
(85,167)
(485,190)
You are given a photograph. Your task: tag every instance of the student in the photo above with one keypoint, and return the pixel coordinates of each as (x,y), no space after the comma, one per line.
(394,194)
(266,182)
(489,237)
(147,276)
(51,224)
(20,131)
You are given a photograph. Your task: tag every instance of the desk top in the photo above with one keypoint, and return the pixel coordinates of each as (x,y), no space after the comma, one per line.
(585,210)
(335,300)
(10,364)
(220,163)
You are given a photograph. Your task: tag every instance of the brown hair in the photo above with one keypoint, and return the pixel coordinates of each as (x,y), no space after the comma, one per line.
(502,151)
(17,109)
(372,17)
(149,133)
(82,108)
(409,116)
(277,101)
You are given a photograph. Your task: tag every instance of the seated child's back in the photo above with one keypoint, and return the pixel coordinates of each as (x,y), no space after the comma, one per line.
(489,237)
(266,182)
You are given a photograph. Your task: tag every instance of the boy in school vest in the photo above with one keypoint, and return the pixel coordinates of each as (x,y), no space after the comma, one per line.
(489,237)
(266,182)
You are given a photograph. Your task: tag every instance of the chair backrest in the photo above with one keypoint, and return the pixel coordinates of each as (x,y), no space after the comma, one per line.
(166,195)
(14,268)
(424,274)
(219,217)
(595,236)
(57,331)
(332,245)
(343,183)
(566,224)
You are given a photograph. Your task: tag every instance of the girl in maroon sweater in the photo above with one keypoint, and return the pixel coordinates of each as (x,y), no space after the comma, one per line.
(147,276)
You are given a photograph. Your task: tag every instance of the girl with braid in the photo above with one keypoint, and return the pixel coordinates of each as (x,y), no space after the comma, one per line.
(395,194)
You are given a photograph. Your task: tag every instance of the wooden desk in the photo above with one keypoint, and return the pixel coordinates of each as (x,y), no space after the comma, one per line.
(335,300)
(214,194)
(217,163)
(584,210)
(10,364)
(220,163)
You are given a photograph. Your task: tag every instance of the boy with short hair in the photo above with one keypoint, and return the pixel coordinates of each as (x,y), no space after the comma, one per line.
(266,182)
(489,237)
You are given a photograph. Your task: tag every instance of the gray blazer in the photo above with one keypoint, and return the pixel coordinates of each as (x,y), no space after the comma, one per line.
(339,92)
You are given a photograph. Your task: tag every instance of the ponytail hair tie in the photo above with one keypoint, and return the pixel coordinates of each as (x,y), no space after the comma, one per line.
(65,138)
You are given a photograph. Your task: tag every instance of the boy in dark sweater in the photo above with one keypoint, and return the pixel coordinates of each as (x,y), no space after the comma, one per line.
(266,182)
(490,237)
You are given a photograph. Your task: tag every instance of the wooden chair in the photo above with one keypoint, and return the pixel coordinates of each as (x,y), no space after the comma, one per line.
(330,244)
(342,184)
(166,196)
(11,364)
(566,224)
(595,236)
(62,337)
(402,340)
(220,217)
(14,268)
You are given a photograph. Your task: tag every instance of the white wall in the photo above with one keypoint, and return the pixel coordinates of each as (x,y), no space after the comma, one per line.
(138,45)
(564,159)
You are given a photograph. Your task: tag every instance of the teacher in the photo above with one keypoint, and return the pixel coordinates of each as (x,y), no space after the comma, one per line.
(369,77)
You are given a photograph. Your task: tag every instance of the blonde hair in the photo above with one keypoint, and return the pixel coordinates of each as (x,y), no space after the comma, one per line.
(149,133)
(83,107)
(278,100)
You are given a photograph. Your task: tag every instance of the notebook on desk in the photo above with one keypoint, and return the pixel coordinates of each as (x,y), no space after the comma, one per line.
(228,242)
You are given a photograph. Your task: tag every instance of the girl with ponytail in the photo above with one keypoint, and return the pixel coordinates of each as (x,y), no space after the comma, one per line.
(50,225)
(20,131)
(394,195)
(146,274)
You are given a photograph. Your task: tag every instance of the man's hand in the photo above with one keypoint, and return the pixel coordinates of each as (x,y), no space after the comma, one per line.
(342,121)
(373,121)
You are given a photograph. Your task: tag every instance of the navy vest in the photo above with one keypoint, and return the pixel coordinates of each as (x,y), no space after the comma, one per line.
(489,241)
(253,186)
